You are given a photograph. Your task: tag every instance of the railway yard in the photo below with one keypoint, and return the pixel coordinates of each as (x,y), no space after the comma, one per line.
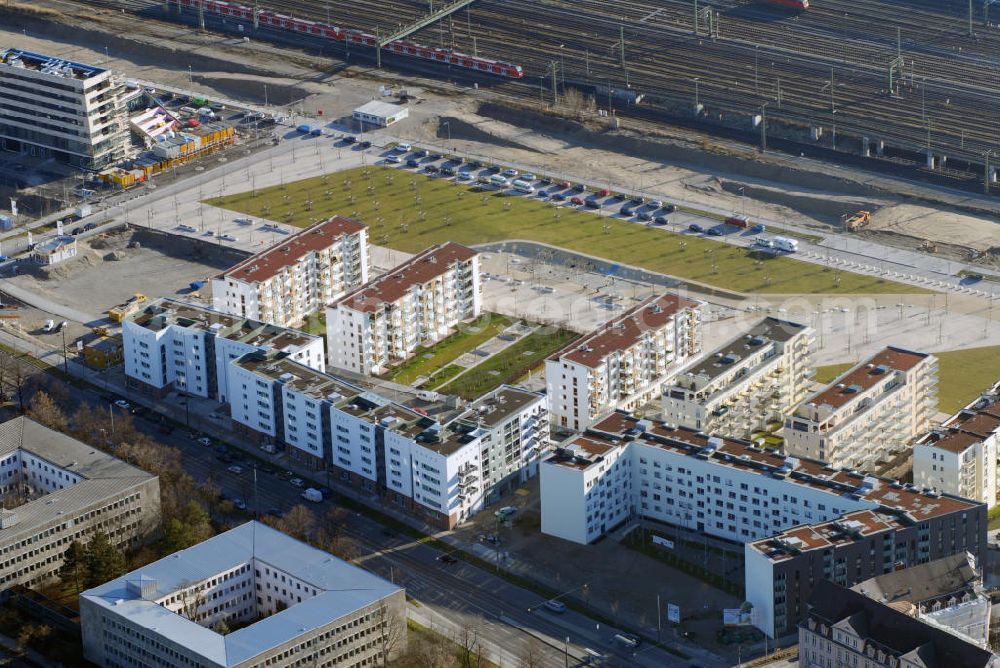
(841,75)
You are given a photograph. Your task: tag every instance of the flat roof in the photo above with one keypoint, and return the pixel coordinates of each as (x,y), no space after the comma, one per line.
(53,65)
(53,244)
(887,497)
(865,375)
(268,263)
(380,108)
(494,408)
(103,476)
(165,312)
(344,588)
(769,330)
(391,286)
(624,331)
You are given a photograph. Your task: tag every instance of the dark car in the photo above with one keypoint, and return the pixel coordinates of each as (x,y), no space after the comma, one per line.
(670,208)
(422,152)
(448,171)
(617,197)
(646,215)
(412,162)
(714,232)
(593,203)
(431,169)
(638,199)
(365,144)
(447,559)
(627,210)
(660,220)
(475,164)
(546,182)
(435,156)
(76,231)
(579,187)
(695,227)
(559,197)
(348,139)
(90,226)
(493,169)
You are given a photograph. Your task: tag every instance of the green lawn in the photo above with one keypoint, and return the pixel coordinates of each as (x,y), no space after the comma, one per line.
(509,364)
(410,212)
(445,352)
(962,375)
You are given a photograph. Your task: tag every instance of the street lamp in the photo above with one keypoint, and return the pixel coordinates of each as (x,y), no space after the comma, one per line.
(562,68)
(447,124)
(190,76)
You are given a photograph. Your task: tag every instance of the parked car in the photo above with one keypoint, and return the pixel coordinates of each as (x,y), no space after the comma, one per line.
(412,162)
(580,188)
(365,144)
(394,159)
(528,177)
(510,173)
(120,403)
(297,482)
(403,147)
(284,475)
(558,197)
(593,203)
(576,200)
(695,227)
(238,470)
(646,215)
(670,208)
(660,220)
(447,559)
(627,209)
(349,139)
(76,231)
(206,441)
(714,232)
(431,169)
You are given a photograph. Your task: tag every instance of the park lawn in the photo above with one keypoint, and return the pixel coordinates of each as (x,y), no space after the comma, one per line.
(509,364)
(962,375)
(409,212)
(443,353)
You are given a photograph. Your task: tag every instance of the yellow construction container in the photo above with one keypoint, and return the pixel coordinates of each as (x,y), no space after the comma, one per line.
(104,352)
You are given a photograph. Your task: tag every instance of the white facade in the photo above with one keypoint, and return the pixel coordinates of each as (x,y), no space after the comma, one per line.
(380,114)
(52,107)
(55,250)
(869,414)
(295,606)
(625,363)
(749,382)
(298,276)
(417,303)
(960,457)
(171,345)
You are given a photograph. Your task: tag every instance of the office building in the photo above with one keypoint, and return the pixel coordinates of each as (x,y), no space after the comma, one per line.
(747,384)
(56,108)
(417,303)
(869,414)
(846,628)
(55,490)
(946,593)
(423,451)
(297,277)
(625,363)
(378,114)
(960,456)
(799,520)
(175,346)
(247,598)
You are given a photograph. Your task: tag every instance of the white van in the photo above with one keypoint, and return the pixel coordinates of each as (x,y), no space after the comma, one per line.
(523,187)
(787,245)
(311,494)
(498,181)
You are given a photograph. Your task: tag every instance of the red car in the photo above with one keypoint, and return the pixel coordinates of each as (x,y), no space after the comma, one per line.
(576,200)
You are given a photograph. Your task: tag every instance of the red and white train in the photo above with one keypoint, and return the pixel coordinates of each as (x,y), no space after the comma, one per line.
(322,30)
(794,4)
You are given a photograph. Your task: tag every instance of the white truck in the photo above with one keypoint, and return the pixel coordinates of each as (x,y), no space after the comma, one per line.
(763,242)
(787,245)
(312,494)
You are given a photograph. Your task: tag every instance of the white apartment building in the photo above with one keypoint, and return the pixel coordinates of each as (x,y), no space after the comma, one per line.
(55,490)
(297,277)
(625,363)
(960,456)
(796,518)
(869,413)
(417,303)
(174,346)
(750,381)
(423,451)
(51,107)
(288,604)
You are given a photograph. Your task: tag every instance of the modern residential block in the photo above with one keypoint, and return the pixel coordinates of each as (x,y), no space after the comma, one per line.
(56,490)
(51,107)
(792,515)
(749,382)
(417,303)
(871,412)
(960,457)
(174,346)
(846,628)
(623,364)
(282,602)
(423,451)
(297,277)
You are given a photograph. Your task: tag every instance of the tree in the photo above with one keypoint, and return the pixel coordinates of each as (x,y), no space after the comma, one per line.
(532,656)
(91,425)
(74,566)
(391,630)
(44,410)
(221,627)
(299,523)
(470,652)
(30,633)
(104,561)
(192,599)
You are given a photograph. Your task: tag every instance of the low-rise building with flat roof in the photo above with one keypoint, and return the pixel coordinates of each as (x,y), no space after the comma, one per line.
(286,604)
(746,384)
(379,114)
(869,413)
(56,490)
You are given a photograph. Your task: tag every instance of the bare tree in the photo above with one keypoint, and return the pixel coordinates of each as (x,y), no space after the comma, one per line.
(391,630)
(299,523)
(192,600)
(45,411)
(470,648)
(532,656)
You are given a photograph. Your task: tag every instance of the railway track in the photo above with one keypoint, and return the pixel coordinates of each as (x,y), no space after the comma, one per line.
(827,67)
